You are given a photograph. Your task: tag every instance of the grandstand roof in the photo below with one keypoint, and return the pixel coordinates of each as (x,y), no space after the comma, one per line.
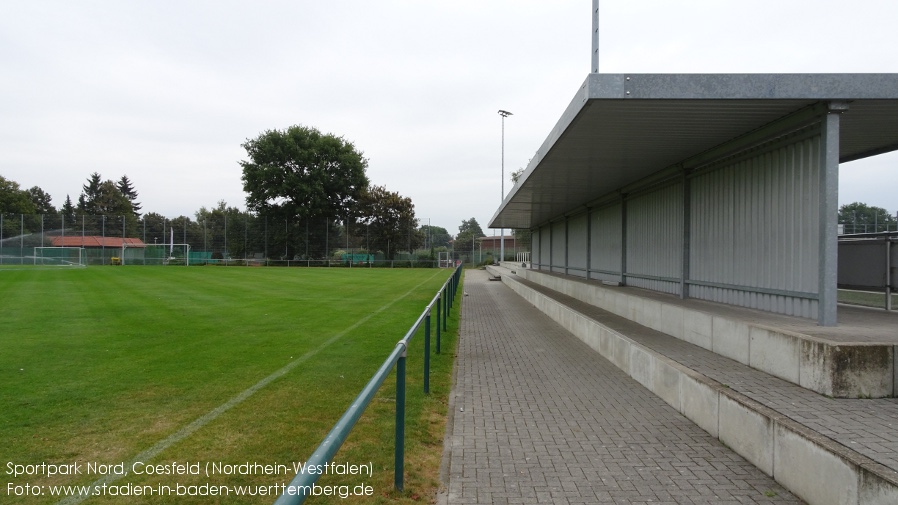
(623,128)
(95,241)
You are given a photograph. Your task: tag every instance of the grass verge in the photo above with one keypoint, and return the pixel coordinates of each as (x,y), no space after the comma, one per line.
(100,364)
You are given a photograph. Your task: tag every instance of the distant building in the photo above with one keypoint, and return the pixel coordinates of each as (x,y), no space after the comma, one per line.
(90,241)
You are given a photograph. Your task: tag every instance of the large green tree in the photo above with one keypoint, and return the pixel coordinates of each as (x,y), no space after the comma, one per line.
(42,201)
(124,185)
(468,232)
(89,193)
(300,172)
(387,221)
(437,236)
(13,199)
(859,217)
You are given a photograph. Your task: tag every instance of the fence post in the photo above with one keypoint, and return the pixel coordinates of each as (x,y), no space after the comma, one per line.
(400,420)
(446,307)
(439,303)
(427,352)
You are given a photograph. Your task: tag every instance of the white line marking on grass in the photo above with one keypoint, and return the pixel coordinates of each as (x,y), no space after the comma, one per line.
(188,430)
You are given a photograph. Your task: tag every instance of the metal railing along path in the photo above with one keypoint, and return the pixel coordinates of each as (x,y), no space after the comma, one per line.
(301,486)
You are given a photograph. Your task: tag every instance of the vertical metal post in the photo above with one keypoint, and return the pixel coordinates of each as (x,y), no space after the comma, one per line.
(588,242)
(827,212)
(427,353)
(888,274)
(399,468)
(439,323)
(567,246)
(445,308)
(687,236)
(595,36)
(623,239)
(504,114)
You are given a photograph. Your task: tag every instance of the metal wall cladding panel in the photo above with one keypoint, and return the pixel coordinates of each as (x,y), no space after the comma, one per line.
(615,278)
(792,306)
(655,233)
(559,239)
(862,264)
(605,240)
(577,244)
(535,253)
(754,221)
(545,247)
(893,267)
(655,285)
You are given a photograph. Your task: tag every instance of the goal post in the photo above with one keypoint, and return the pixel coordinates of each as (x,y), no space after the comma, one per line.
(166,254)
(60,256)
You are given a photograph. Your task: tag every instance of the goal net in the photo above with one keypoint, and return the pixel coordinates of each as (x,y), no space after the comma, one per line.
(60,256)
(167,254)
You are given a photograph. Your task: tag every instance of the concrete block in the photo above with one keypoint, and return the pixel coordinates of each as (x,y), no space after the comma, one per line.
(857,371)
(697,328)
(666,381)
(606,341)
(876,490)
(699,402)
(593,335)
(775,353)
(813,473)
(620,305)
(620,354)
(651,314)
(642,366)
(673,317)
(731,338)
(747,432)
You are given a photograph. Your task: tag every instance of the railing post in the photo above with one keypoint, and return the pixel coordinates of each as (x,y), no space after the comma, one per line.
(399,468)
(427,353)
(446,308)
(439,323)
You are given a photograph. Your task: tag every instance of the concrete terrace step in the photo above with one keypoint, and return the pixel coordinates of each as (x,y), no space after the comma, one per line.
(826,450)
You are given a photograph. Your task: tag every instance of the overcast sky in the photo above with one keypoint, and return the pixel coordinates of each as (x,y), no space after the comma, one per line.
(166,91)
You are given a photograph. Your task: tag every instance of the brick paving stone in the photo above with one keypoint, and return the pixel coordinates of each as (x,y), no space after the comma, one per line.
(867,426)
(538,417)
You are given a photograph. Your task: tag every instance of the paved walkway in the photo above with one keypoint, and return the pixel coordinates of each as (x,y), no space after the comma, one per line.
(538,417)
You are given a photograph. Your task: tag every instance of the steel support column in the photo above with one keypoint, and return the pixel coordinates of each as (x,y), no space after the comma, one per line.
(687,235)
(623,241)
(828,212)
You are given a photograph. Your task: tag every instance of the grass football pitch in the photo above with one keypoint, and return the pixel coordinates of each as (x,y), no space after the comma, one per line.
(233,373)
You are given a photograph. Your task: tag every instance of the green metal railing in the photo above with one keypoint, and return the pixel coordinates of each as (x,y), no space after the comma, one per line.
(301,486)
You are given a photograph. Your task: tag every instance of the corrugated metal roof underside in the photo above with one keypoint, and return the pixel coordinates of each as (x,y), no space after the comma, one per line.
(601,145)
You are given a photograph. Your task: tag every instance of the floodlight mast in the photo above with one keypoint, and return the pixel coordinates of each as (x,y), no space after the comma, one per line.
(504,114)
(595,36)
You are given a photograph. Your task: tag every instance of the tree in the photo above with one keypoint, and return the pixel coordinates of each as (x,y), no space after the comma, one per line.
(468,232)
(859,217)
(13,199)
(68,210)
(224,232)
(389,221)
(436,236)
(300,172)
(42,201)
(124,185)
(89,193)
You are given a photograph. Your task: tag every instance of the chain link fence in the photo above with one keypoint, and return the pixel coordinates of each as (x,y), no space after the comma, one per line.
(223,240)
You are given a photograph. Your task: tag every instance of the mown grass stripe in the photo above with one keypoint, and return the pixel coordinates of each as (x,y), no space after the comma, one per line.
(202,421)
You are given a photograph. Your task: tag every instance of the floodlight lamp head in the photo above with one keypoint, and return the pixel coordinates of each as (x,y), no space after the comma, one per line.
(504,113)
